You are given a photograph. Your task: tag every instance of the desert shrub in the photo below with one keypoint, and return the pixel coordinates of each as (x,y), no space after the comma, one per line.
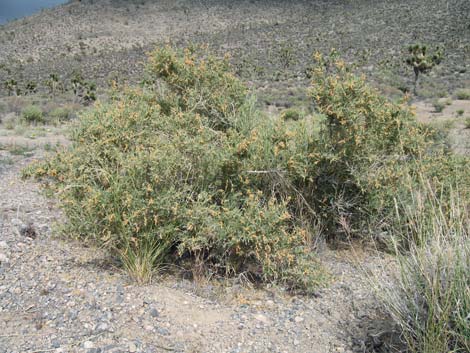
(291,114)
(32,115)
(429,297)
(204,85)
(467,123)
(438,106)
(61,114)
(463,94)
(365,143)
(169,173)
(185,170)
(460,112)
(9,121)
(447,101)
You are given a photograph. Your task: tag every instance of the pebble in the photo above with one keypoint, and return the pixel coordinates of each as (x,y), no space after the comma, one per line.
(262,318)
(88,345)
(103,327)
(4,259)
(132,347)
(154,312)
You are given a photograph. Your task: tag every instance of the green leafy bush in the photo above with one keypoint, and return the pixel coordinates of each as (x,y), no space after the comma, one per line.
(185,170)
(365,144)
(61,114)
(438,106)
(463,94)
(32,115)
(291,114)
(168,173)
(204,86)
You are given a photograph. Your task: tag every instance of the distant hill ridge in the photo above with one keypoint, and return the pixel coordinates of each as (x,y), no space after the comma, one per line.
(270,41)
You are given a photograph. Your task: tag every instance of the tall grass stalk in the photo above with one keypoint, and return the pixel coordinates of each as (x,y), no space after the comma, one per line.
(430,295)
(143,259)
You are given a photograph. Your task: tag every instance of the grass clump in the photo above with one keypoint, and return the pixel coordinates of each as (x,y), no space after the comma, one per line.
(467,123)
(18,150)
(463,94)
(32,115)
(430,296)
(438,106)
(291,114)
(61,114)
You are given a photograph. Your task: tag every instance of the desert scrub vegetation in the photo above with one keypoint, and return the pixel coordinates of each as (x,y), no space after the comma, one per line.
(438,106)
(185,170)
(463,94)
(32,115)
(422,61)
(177,169)
(429,295)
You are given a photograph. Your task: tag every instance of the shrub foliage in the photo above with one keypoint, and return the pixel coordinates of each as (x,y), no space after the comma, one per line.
(185,170)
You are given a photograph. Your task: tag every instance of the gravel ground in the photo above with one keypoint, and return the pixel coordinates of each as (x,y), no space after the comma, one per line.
(59,296)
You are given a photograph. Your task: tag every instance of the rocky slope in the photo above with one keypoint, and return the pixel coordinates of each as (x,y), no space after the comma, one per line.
(270,41)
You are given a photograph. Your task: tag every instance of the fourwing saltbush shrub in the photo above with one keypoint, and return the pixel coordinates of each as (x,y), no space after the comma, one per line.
(371,151)
(185,168)
(173,166)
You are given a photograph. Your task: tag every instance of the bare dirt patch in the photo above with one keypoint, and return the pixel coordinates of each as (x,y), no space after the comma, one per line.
(452,120)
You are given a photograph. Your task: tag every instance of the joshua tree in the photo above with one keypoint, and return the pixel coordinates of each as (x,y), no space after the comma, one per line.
(85,90)
(31,87)
(11,86)
(422,61)
(52,83)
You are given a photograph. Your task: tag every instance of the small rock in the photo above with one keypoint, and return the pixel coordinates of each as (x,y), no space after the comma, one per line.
(132,347)
(3,245)
(154,312)
(103,327)
(16,222)
(296,342)
(163,331)
(4,259)
(262,318)
(88,345)
(298,319)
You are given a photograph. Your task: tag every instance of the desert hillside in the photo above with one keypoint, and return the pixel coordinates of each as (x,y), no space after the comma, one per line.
(251,176)
(271,42)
